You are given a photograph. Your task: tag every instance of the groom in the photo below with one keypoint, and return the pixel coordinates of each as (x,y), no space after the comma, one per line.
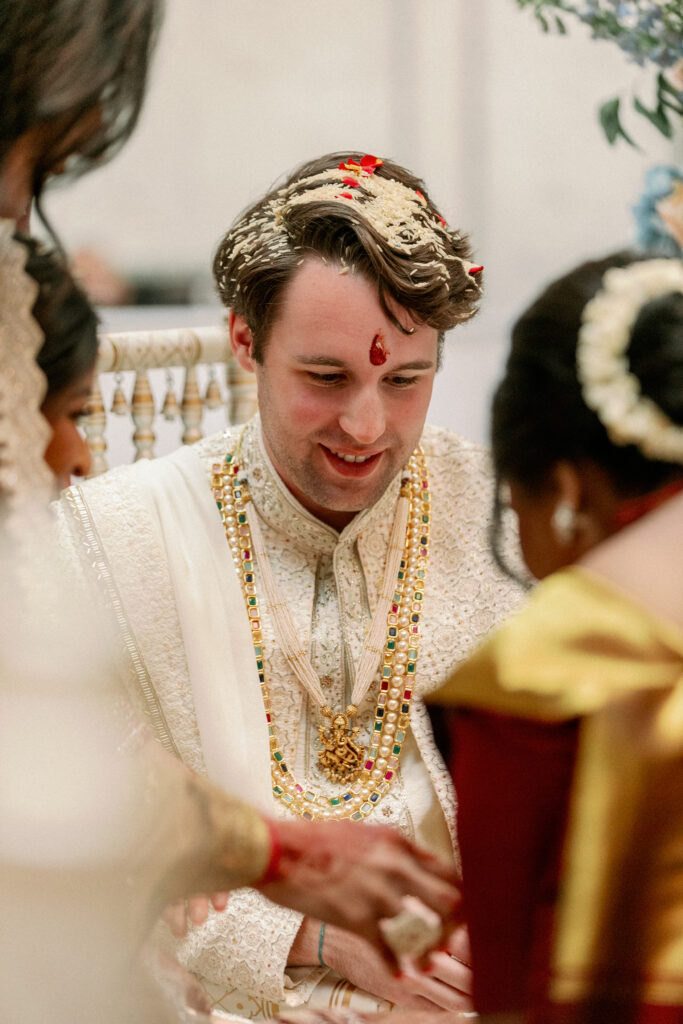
(286,592)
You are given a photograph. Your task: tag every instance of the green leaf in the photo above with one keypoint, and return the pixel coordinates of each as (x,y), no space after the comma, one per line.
(611,123)
(560,25)
(609,119)
(656,117)
(543,22)
(664,85)
(675,107)
(668,96)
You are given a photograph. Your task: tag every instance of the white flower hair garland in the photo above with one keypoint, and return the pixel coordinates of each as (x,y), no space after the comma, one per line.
(609,387)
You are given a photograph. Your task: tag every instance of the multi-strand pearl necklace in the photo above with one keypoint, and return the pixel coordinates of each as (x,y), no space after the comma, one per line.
(399,620)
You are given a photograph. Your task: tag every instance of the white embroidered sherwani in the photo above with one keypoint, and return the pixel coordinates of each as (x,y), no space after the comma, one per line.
(154,538)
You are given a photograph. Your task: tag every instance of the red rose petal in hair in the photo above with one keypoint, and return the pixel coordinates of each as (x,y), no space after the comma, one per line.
(378,353)
(440,218)
(344,195)
(475,270)
(370,163)
(351,182)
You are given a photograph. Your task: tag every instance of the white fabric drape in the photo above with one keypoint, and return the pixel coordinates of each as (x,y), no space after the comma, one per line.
(210,607)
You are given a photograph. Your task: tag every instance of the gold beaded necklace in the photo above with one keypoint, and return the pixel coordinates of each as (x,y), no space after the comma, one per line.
(368,775)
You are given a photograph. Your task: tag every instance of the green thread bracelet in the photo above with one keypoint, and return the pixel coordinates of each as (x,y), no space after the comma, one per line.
(321,939)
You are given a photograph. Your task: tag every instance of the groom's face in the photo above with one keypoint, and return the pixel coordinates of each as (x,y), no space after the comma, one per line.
(343,393)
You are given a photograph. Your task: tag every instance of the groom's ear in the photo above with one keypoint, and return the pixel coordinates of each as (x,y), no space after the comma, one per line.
(242,341)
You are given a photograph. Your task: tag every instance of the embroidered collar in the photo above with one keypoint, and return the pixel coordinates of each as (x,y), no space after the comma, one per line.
(278,507)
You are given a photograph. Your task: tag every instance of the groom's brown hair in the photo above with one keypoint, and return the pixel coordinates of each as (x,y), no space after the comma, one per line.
(251,275)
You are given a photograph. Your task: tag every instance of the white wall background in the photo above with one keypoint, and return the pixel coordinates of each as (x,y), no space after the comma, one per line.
(499,119)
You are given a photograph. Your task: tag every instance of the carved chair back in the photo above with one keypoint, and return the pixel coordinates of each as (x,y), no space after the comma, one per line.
(162,388)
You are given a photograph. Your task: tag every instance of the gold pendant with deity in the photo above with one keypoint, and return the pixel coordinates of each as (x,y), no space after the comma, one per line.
(341,757)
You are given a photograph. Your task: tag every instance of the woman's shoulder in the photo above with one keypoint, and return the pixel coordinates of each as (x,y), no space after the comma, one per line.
(645,561)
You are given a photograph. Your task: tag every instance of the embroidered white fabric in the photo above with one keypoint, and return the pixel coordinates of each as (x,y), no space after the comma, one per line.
(25,481)
(330,582)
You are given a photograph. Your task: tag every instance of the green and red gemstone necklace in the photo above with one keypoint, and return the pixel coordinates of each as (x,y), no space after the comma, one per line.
(392,643)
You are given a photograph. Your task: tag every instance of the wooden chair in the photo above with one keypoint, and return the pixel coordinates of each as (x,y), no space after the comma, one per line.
(210,379)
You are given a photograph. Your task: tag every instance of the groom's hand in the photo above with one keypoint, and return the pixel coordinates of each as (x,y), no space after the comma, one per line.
(194,911)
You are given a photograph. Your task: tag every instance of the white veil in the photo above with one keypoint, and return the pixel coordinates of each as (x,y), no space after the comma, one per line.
(73,810)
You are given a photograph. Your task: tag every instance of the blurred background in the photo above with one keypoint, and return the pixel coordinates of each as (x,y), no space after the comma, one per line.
(498,118)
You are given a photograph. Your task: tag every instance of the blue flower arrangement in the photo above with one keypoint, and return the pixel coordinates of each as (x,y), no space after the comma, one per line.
(649,31)
(653,234)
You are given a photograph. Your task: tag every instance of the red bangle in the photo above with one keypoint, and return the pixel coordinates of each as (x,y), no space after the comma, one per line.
(272,872)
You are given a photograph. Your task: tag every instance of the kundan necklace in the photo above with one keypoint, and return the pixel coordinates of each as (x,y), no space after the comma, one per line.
(392,643)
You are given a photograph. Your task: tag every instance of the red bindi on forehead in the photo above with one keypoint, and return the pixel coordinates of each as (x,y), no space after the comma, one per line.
(378,353)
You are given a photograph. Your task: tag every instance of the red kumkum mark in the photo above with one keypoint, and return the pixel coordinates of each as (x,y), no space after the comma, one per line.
(378,353)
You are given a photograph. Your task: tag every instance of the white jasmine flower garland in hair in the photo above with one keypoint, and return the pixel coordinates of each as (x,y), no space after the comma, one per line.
(609,387)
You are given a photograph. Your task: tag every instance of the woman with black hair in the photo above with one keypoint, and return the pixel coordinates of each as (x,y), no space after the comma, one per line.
(67,358)
(566,726)
(73,75)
